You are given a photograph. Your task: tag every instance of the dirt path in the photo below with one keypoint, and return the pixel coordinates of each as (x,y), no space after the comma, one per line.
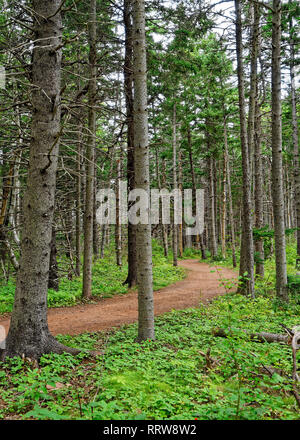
(200,285)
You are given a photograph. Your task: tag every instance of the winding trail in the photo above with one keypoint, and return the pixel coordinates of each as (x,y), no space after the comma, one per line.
(202,284)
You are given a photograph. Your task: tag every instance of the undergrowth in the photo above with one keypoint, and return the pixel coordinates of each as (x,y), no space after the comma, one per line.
(186,373)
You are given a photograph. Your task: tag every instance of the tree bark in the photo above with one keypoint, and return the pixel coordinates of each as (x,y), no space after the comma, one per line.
(78,205)
(163,227)
(175,226)
(223,207)
(212,223)
(53,282)
(253,80)
(142,177)
(118,230)
(254,139)
(28,333)
(247,239)
(90,155)
(277,176)
(228,177)
(128,89)
(95,224)
(258,192)
(180,187)
(295,134)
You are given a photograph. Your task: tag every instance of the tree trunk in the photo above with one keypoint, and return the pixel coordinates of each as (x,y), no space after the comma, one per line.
(258,192)
(277,177)
(53,282)
(231,218)
(223,207)
(4,212)
(142,177)
(28,333)
(253,80)
(247,240)
(90,154)
(254,139)
(212,223)
(78,204)
(95,224)
(163,227)
(180,186)
(128,89)
(295,134)
(175,226)
(118,238)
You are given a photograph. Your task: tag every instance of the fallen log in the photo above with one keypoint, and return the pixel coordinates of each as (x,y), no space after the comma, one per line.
(256,337)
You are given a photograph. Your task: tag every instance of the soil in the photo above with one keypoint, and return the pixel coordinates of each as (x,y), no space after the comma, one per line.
(201,285)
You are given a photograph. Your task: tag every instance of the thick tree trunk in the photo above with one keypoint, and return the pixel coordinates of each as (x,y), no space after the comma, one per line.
(277,177)
(247,239)
(142,177)
(28,333)
(90,155)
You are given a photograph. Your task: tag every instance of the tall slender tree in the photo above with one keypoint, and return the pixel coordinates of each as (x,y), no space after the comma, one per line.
(292,42)
(174,148)
(247,239)
(142,177)
(90,154)
(128,90)
(277,173)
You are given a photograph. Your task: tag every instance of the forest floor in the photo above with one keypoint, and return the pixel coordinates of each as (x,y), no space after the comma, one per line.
(186,373)
(202,284)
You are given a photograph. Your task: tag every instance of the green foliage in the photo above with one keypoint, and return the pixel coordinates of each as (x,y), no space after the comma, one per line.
(169,378)
(267,235)
(294,284)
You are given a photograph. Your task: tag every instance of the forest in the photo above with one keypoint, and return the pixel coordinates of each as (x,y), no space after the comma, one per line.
(149,210)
